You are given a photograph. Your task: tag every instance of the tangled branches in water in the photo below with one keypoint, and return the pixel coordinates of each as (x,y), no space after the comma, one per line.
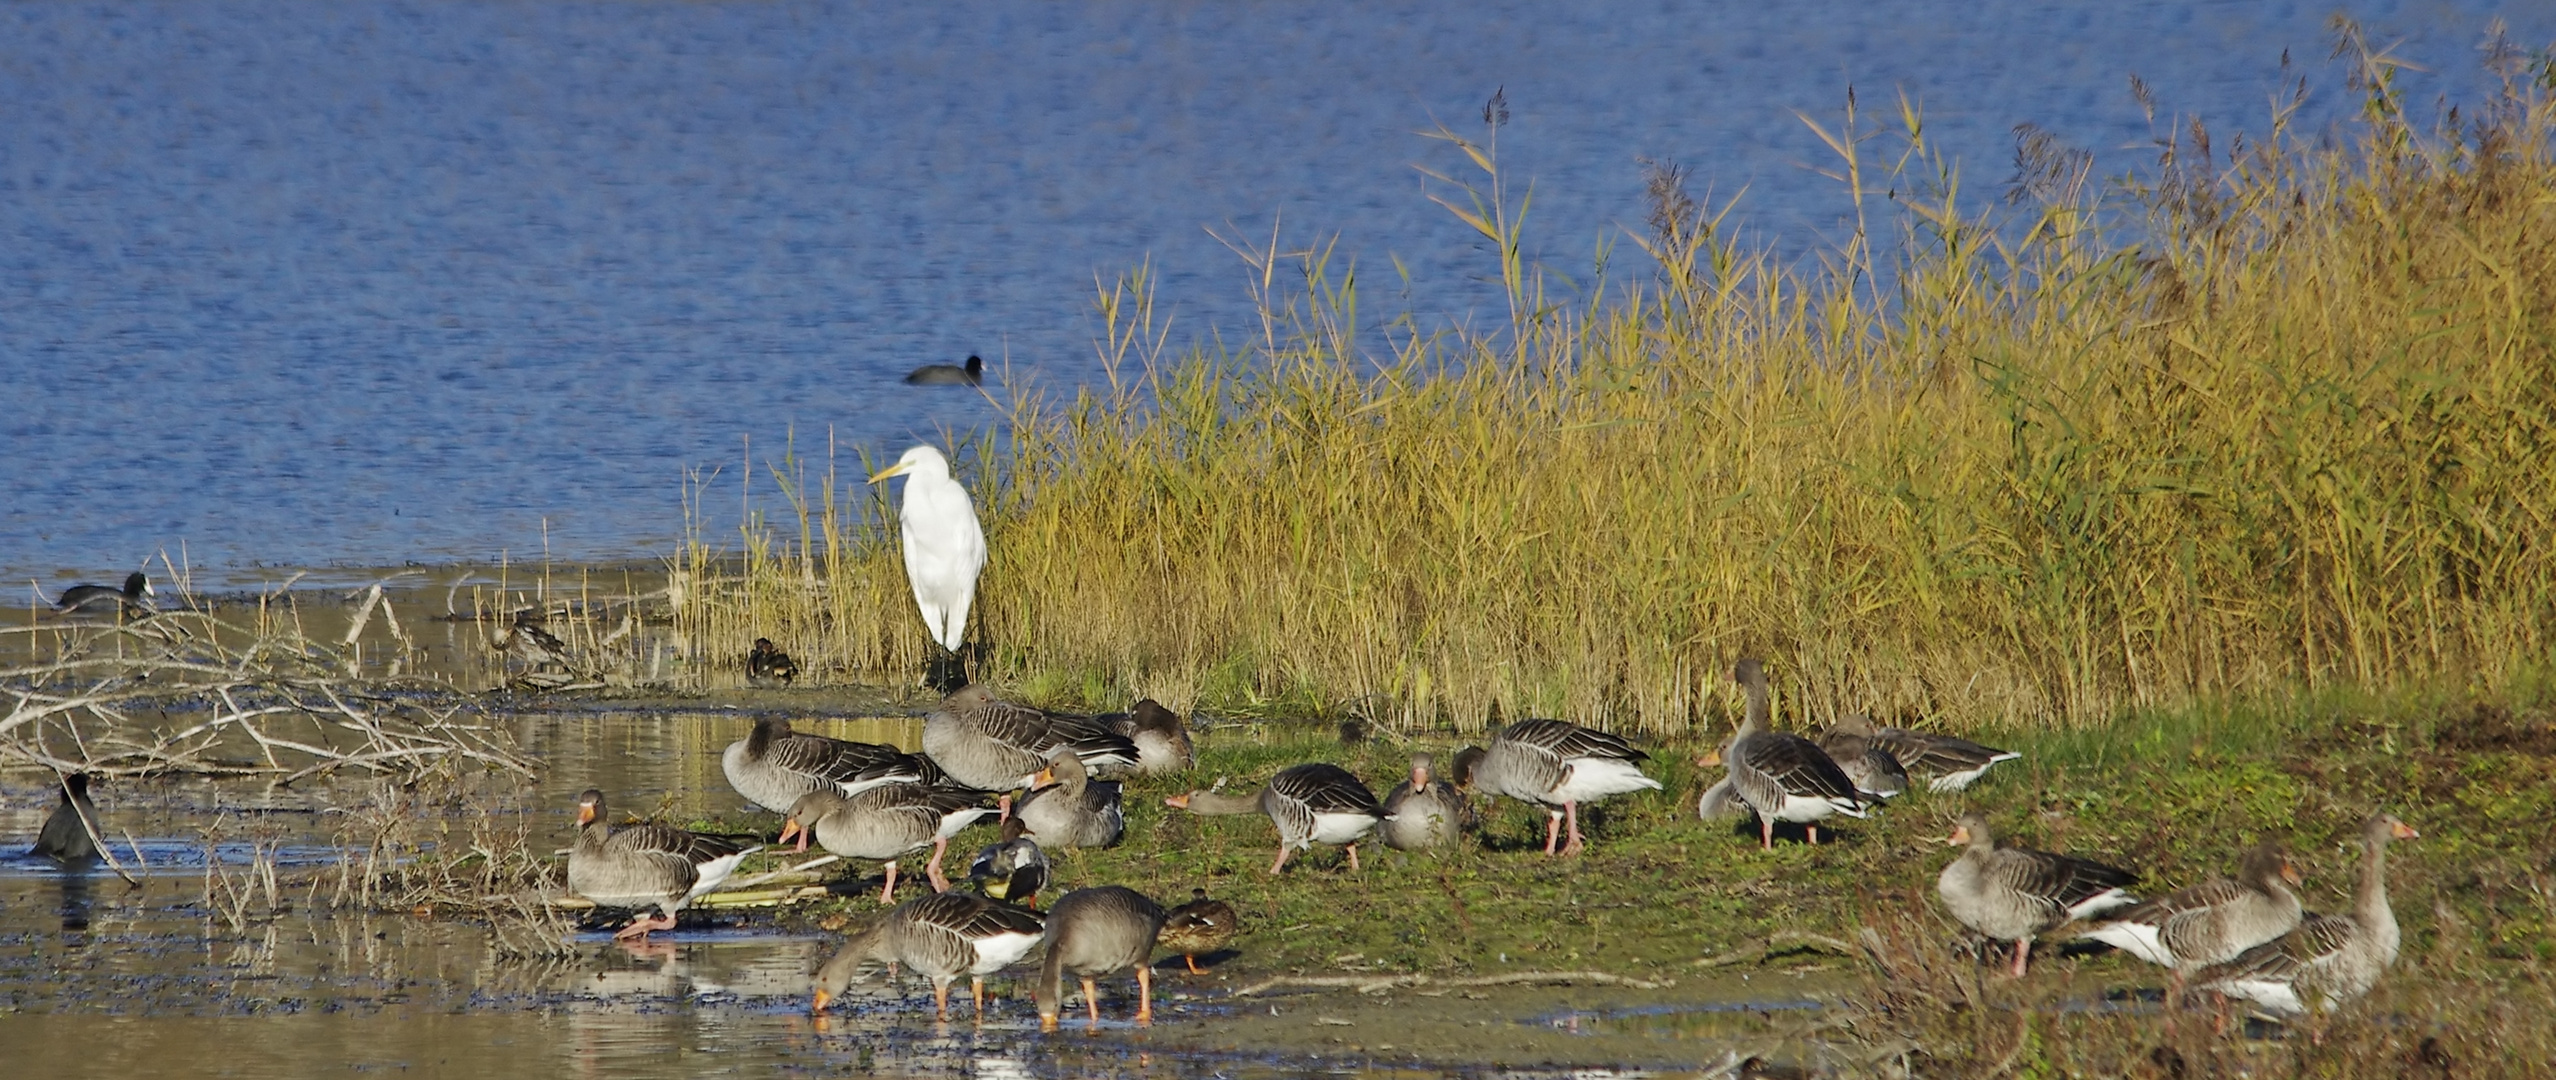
(185,692)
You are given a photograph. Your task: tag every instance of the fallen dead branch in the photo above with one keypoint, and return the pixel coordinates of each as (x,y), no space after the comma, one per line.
(1377,984)
(185,692)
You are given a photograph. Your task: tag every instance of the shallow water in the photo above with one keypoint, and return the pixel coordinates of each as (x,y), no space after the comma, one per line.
(369,281)
(98,978)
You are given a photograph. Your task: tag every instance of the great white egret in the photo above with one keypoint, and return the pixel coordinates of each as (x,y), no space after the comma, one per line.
(944,547)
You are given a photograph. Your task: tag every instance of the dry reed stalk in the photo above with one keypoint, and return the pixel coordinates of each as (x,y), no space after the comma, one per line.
(2277,417)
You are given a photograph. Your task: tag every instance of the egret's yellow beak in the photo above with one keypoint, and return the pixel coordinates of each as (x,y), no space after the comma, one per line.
(897,469)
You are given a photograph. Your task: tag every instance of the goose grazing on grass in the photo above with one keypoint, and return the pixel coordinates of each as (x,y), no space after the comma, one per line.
(1955,762)
(941,937)
(993,745)
(1558,766)
(1319,803)
(1066,808)
(70,832)
(2011,894)
(1777,774)
(970,374)
(1096,932)
(1161,739)
(767,667)
(105,600)
(1424,811)
(773,766)
(2328,960)
(646,865)
(2211,922)
(1876,772)
(886,823)
(1011,869)
(1198,928)
(944,550)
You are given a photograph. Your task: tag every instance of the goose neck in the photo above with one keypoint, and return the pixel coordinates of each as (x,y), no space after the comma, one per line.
(1213,803)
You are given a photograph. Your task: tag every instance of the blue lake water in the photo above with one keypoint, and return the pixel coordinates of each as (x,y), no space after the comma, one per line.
(295,284)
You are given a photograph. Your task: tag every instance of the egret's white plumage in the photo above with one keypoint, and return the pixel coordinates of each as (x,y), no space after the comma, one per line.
(944,546)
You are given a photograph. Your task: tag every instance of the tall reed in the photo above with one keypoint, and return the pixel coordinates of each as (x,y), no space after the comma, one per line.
(2278,414)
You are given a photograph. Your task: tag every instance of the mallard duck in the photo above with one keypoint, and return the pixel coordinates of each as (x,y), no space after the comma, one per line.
(2209,923)
(971,373)
(1424,811)
(1012,869)
(940,937)
(993,745)
(1066,808)
(1876,772)
(2329,960)
(1318,803)
(886,823)
(1096,932)
(773,766)
(1558,766)
(1161,739)
(646,865)
(767,667)
(66,838)
(1955,762)
(2011,894)
(1199,927)
(1777,774)
(103,600)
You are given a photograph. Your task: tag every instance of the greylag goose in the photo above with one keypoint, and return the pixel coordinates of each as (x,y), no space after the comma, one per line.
(1876,772)
(2011,894)
(1066,808)
(1161,739)
(941,937)
(1777,774)
(1424,811)
(1199,927)
(1558,766)
(944,551)
(767,667)
(1955,762)
(994,745)
(1319,803)
(773,766)
(646,865)
(2328,960)
(886,823)
(2209,923)
(70,831)
(102,600)
(1096,932)
(1011,869)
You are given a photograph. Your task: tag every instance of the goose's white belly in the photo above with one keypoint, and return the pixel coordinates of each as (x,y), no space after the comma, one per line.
(1001,951)
(1341,828)
(1804,809)
(1597,778)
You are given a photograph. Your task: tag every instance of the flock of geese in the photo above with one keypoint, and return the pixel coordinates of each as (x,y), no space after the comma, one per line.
(2245,937)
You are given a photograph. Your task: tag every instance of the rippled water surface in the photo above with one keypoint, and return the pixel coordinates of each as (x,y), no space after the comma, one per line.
(98,978)
(360,282)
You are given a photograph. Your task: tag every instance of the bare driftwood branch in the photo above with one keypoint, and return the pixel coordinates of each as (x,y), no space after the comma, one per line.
(259,701)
